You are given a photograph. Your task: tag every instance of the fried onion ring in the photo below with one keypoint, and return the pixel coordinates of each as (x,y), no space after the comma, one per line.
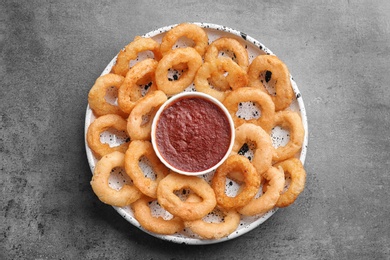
(131,51)
(236,78)
(145,107)
(247,94)
(145,68)
(138,149)
(266,201)
(185,210)
(214,230)
(202,84)
(96,96)
(190,31)
(98,126)
(281,75)
(229,44)
(235,163)
(292,121)
(263,150)
(158,225)
(221,45)
(182,55)
(294,168)
(100,185)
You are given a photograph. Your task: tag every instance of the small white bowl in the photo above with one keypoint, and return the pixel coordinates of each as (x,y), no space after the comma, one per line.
(190,95)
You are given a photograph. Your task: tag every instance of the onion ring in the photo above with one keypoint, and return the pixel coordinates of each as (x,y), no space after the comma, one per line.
(202,84)
(100,125)
(188,56)
(185,210)
(263,150)
(144,86)
(96,96)
(146,106)
(240,56)
(236,78)
(217,230)
(235,163)
(130,52)
(292,121)
(281,75)
(138,149)
(119,198)
(294,168)
(267,201)
(158,225)
(145,68)
(230,44)
(191,31)
(247,94)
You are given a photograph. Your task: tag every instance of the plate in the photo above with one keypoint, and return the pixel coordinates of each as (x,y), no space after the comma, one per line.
(279,137)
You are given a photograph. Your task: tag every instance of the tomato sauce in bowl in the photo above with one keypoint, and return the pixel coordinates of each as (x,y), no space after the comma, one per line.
(192,133)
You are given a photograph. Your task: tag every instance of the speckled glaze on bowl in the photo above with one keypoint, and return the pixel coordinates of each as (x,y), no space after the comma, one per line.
(117,179)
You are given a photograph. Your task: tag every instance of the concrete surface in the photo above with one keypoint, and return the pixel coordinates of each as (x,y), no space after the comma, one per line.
(51,54)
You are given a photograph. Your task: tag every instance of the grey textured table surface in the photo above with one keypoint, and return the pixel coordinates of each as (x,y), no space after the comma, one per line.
(51,54)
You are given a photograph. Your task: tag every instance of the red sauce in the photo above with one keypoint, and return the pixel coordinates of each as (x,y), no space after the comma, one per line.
(193,134)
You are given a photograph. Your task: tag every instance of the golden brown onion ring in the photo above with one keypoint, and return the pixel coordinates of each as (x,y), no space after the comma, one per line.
(235,163)
(96,96)
(100,185)
(158,225)
(217,230)
(240,56)
(145,68)
(136,151)
(266,201)
(98,126)
(147,106)
(247,94)
(254,135)
(280,74)
(185,210)
(294,168)
(236,77)
(229,44)
(291,121)
(131,51)
(187,56)
(190,31)
(201,81)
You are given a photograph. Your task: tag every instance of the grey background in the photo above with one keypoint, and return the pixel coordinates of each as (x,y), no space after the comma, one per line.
(51,54)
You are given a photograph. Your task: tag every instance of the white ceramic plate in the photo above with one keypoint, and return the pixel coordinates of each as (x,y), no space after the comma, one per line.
(279,137)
